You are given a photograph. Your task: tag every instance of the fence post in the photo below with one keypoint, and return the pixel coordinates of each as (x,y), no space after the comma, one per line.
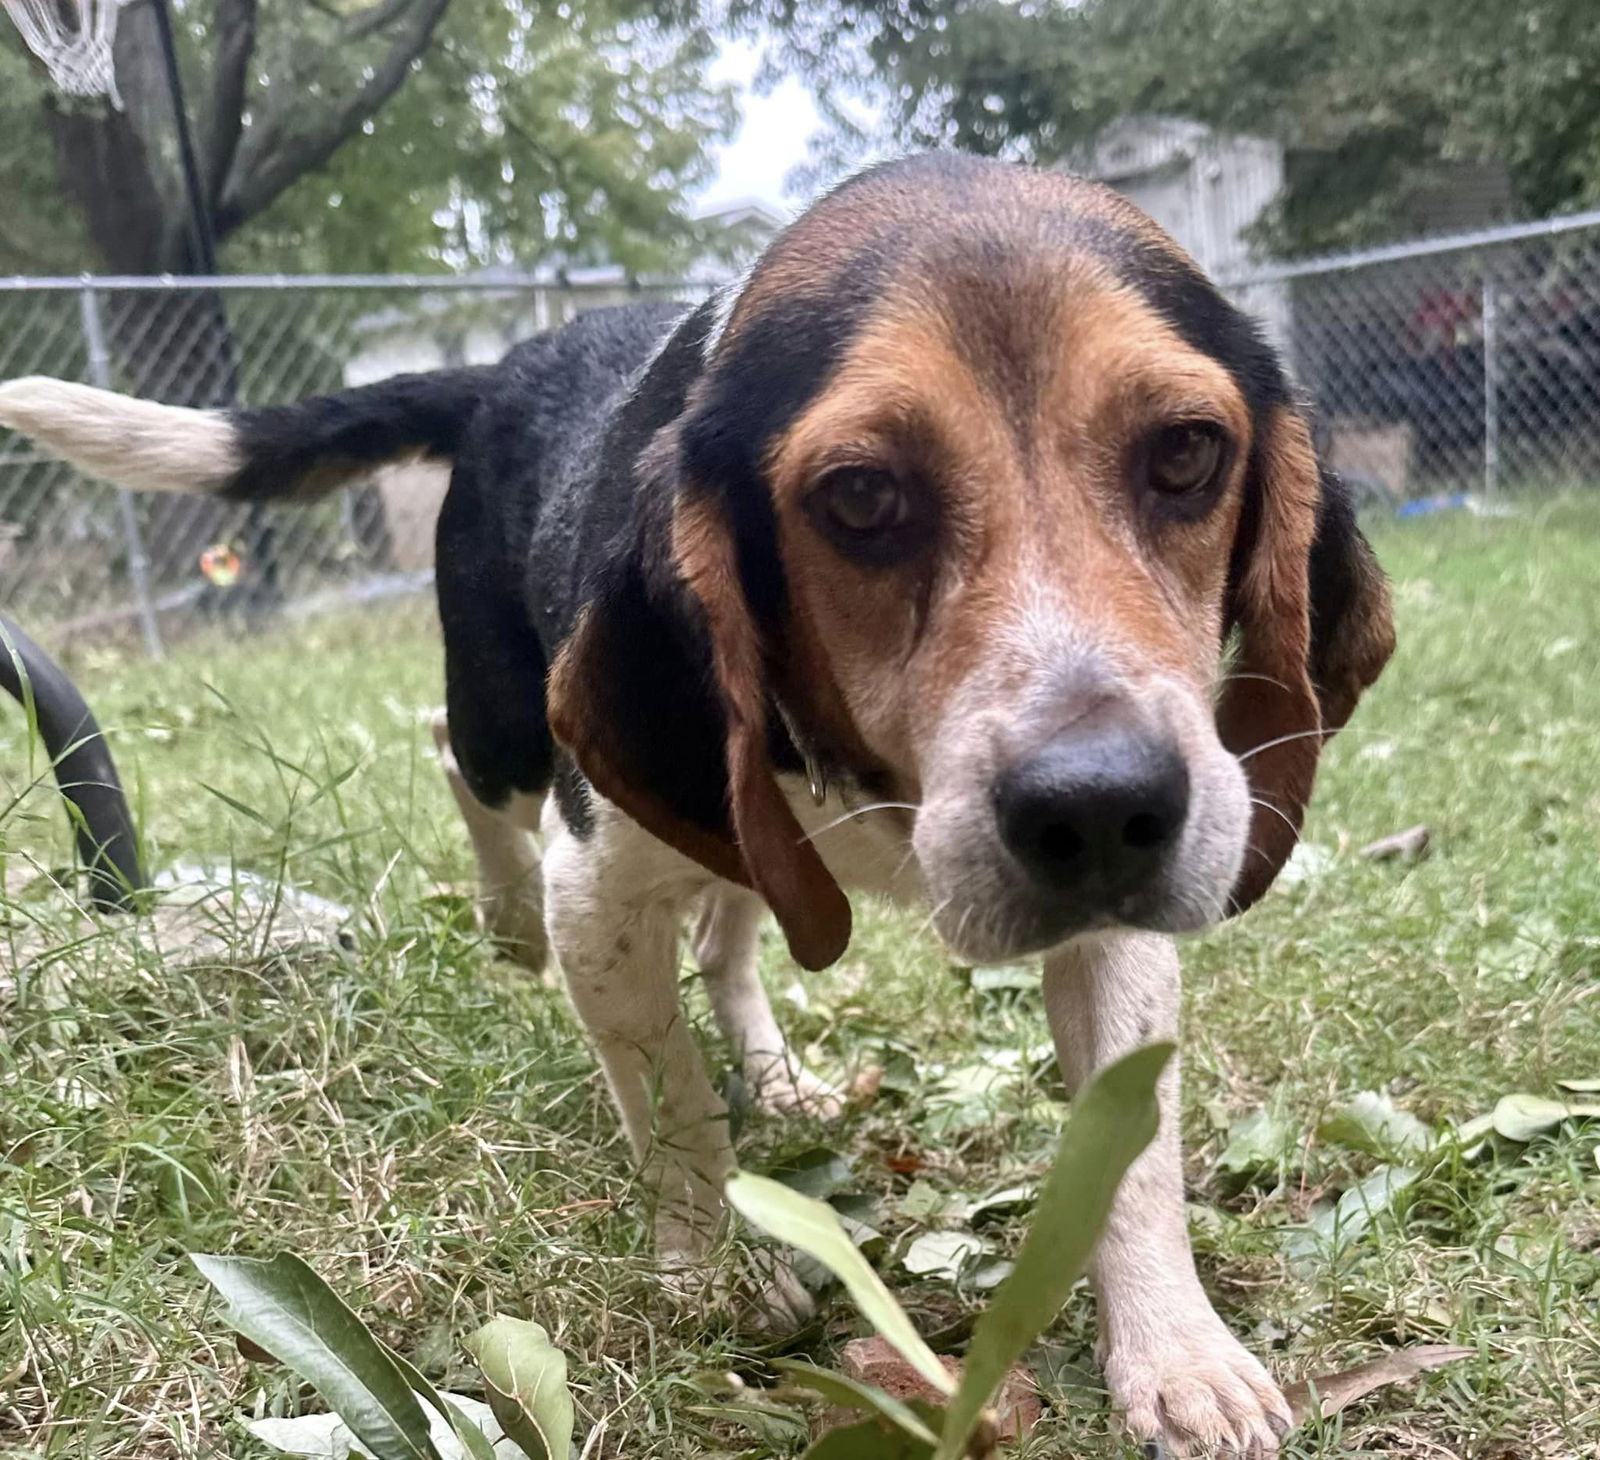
(138,562)
(1491,386)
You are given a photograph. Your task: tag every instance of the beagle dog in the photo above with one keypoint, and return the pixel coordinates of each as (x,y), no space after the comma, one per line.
(972,550)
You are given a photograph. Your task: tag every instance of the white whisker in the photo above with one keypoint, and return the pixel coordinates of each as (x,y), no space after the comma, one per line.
(1282,740)
(1309,734)
(859,811)
(1276,811)
(1240,676)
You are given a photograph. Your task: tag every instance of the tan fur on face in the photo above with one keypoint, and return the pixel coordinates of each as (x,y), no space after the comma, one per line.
(1027,453)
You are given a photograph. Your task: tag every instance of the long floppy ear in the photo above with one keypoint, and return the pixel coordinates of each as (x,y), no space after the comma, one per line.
(783,866)
(659,692)
(1312,609)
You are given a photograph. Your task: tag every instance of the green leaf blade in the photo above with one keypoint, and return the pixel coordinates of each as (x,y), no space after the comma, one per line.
(868,1440)
(814,1228)
(847,1393)
(1112,1121)
(281,1304)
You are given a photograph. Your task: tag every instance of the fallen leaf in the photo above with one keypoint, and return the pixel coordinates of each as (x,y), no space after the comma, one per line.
(323,1436)
(1336,1228)
(923,1201)
(942,1254)
(873,1361)
(526,1379)
(1410,845)
(1333,1392)
(1373,1123)
(1006,1202)
(987,1275)
(819,1172)
(1065,1377)
(1520,1117)
(327,1437)
(1260,1141)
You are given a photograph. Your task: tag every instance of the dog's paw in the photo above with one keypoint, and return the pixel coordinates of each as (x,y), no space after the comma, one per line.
(1193,1389)
(779,1088)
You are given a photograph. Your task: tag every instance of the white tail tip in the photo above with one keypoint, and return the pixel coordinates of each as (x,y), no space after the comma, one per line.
(131,443)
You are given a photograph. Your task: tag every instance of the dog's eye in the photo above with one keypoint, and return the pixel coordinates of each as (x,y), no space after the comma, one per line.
(870,514)
(1185,458)
(860,500)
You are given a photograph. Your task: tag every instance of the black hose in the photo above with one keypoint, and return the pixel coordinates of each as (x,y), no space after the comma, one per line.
(84,769)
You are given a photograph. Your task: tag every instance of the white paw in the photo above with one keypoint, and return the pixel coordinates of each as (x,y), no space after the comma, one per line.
(1191,1385)
(776,1088)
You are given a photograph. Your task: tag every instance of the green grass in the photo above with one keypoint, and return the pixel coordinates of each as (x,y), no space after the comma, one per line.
(423,1123)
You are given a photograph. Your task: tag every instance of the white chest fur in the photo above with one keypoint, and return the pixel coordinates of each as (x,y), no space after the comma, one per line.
(866,845)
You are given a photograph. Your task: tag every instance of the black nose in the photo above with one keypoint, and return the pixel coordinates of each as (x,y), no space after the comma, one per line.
(1094,812)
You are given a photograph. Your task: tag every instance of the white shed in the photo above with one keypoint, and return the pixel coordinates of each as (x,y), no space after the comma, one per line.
(1206,188)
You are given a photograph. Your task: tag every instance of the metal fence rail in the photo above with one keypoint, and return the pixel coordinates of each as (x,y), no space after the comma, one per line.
(1457,365)
(1454,365)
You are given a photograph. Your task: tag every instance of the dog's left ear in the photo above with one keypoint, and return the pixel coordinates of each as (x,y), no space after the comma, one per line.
(1311,607)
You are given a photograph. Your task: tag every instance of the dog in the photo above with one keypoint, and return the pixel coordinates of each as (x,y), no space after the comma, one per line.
(972,549)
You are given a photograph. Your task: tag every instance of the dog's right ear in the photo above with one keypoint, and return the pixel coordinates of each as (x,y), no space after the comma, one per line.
(629,695)
(660,691)
(1312,609)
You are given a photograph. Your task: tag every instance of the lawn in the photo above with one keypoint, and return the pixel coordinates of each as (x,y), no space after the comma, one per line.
(423,1124)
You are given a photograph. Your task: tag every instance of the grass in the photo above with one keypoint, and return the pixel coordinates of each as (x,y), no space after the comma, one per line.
(423,1123)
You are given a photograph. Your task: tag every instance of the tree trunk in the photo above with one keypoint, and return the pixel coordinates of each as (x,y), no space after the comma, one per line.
(172,346)
(121,169)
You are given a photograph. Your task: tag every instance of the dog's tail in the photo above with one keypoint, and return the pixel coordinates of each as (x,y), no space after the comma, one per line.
(299,451)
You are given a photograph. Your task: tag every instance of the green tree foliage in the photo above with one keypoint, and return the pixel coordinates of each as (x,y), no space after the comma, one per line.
(1373,95)
(381,135)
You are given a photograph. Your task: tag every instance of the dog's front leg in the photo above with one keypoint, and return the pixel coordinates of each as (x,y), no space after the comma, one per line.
(615,905)
(726,946)
(1173,1369)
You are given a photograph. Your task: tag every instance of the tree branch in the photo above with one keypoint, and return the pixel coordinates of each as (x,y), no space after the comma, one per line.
(286,143)
(374,18)
(222,117)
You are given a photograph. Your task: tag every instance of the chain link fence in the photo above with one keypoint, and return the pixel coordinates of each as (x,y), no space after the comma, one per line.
(1451,367)
(1448,368)
(80,562)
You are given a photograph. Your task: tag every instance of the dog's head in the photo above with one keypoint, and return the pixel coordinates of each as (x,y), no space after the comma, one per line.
(972,484)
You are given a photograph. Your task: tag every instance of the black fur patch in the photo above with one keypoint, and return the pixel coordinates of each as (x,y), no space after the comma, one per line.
(296,450)
(775,365)
(1342,564)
